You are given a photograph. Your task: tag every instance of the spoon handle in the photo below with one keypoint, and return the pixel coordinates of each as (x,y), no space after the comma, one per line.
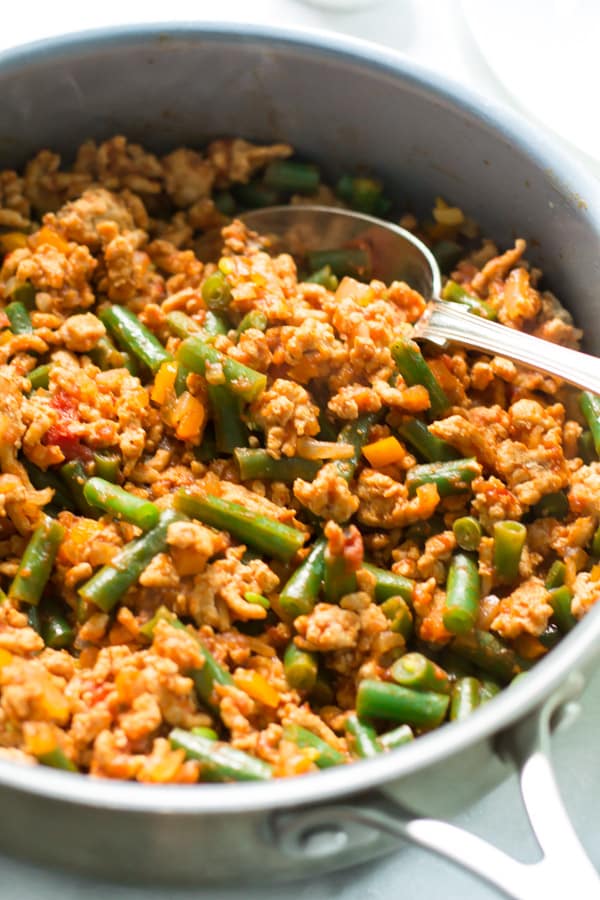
(445,322)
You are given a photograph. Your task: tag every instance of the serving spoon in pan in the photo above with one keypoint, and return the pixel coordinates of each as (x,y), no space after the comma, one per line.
(397,255)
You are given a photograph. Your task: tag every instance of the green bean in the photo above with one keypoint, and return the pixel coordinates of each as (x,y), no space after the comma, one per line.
(363,737)
(467,532)
(590,407)
(327,755)
(489,653)
(39,377)
(397,610)
(447,254)
(301,668)
(413,670)
(259,532)
(388,584)
(363,194)
(205,732)
(561,599)
(183,325)
(216,292)
(352,261)
(242,381)
(452,477)
(106,356)
(292,177)
(509,540)
(322,694)
(134,336)
(339,572)
(220,761)
(74,476)
(463,590)
(36,563)
(57,632)
(180,384)
(415,370)
(253,597)
(555,505)
(325,278)
(381,700)
(225,203)
(231,432)
(214,324)
(585,447)
(457,294)
(465,698)
(327,430)
(33,619)
(207,450)
(112,581)
(556,574)
(596,543)
(17,314)
(420,531)
(488,689)
(403,734)
(24,293)
(455,665)
(260,464)
(56,759)
(300,593)
(107,465)
(551,636)
(431,448)
(253,319)
(121,504)
(355,433)
(62,498)
(256,195)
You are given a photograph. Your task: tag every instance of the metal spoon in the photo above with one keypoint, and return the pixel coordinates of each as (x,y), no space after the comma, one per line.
(397,254)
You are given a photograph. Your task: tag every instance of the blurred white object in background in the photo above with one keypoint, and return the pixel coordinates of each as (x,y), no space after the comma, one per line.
(545,52)
(342,5)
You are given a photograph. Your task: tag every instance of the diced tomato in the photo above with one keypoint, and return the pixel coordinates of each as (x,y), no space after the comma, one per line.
(61,433)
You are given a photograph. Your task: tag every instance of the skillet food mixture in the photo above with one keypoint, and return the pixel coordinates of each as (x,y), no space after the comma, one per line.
(247,529)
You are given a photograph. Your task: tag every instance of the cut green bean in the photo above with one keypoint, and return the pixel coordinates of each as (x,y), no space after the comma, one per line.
(555,505)
(111,498)
(33,619)
(327,755)
(57,632)
(585,447)
(363,194)
(467,532)
(431,448)
(253,319)
(106,356)
(40,479)
(74,476)
(301,591)
(135,337)
(219,761)
(183,325)
(214,324)
(301,668)
(256,195)
(463,590)
(322,694)
(56,759)
(204,732)
(397,610)
(207,450)
(465,698)
(259,532)
(414,670)
(352,261)
(421,531)
(556,575)
(17,314)
(397,737)
(561,599)
(452,477)
(415,370)
(325,278)
(381,700)
(36,563)
(225,203)
(24,293)
(258,599)
(388,584)
(196,355)
(339,571)
(489,653)
(457,294)
(488,689)
(363,737)
(355,433)
(261,465)
(447,254)
(107,465)
(106,588)
(292,177)
(231,432)
(39,377)
(509,540)
(216,292)
(590,407)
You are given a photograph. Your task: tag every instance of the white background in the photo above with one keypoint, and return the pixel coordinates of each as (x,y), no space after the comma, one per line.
(434,32)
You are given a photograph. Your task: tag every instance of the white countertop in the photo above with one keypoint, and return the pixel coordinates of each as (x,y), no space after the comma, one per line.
(433,32)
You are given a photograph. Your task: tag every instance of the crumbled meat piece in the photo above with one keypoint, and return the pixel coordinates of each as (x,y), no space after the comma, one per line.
(285,413)
(384,502)
(328,496)
(526,610)
(328,628)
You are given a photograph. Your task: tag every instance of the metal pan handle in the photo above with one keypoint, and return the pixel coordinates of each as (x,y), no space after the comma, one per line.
(564,864)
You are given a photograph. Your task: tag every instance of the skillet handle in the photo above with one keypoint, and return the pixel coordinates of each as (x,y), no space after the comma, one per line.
(564,865)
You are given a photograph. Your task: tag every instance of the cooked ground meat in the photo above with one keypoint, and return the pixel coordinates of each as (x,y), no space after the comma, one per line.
(172,592)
